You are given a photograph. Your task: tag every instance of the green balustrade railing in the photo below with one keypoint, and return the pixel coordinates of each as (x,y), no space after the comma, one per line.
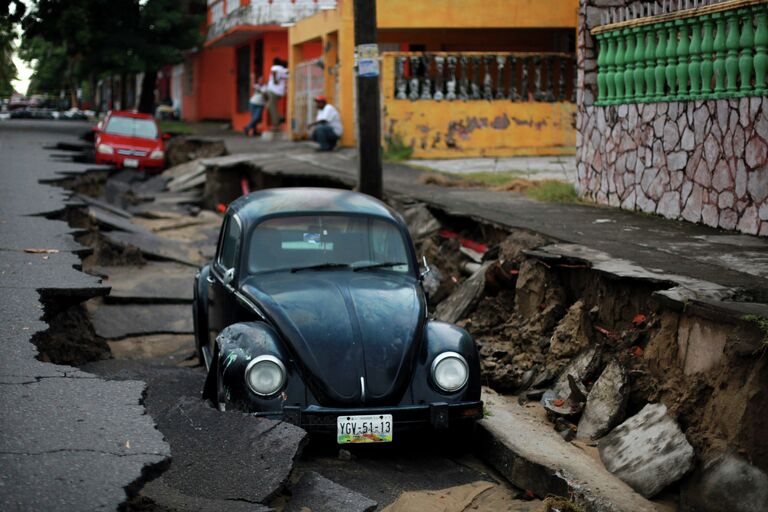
(716,51)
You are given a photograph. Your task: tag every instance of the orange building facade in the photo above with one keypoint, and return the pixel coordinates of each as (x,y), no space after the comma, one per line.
(242,39)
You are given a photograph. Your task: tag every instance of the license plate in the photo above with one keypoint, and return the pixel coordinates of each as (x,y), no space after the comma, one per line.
(131,162)
(364,429)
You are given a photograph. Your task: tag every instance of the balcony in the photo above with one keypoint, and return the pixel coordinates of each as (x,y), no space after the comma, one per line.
(708,51)
(467,104)
(259,13)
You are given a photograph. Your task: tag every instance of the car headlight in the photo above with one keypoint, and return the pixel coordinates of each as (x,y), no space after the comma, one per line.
(265,375)
(450,371)
(157,154)
(105,149)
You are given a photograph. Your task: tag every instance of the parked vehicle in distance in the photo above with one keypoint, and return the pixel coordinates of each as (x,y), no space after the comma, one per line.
(130,140)
(313,312)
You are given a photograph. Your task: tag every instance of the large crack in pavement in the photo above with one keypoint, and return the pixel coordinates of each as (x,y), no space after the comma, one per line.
(60,432)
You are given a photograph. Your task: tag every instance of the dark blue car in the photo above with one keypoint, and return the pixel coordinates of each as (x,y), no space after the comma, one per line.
(313,311)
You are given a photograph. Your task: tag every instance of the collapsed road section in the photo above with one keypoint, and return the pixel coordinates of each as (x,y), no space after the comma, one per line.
(70,441)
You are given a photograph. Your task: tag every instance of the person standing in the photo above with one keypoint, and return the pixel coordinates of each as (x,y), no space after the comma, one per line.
(327,129)
(257,107)
(278,78)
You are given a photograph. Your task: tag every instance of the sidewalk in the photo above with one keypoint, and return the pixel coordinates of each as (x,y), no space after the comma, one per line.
(703,265)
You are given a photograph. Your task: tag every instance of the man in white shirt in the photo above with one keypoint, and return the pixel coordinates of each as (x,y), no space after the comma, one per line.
(278,76)
(327,126)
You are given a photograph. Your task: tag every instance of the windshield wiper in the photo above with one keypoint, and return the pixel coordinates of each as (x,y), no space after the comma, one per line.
(379,265)
(321,266)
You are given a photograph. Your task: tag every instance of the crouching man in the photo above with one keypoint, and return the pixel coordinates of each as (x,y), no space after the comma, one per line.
(327,129)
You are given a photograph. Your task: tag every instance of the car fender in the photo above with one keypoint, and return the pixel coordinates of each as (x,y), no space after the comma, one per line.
(443,337)
(236,347)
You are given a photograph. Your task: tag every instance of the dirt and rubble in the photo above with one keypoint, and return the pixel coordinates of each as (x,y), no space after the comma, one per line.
(536,314)
(592,347)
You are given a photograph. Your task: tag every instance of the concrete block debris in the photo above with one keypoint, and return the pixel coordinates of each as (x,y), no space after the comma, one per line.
(648,451)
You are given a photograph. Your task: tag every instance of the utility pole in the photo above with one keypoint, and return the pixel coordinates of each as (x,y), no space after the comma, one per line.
(368,101)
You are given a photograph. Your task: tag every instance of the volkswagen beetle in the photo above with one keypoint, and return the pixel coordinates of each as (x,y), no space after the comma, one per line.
(313,312)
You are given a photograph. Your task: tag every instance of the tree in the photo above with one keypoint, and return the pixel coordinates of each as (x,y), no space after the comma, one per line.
(11,12)
(169,28)
(107,37)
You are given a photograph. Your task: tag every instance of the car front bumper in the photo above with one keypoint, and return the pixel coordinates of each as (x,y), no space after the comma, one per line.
(405,417)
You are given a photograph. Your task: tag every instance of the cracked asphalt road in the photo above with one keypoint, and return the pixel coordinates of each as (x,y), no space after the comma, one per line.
(68,440)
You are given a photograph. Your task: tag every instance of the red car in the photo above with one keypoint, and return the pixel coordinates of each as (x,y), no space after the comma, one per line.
(130,140)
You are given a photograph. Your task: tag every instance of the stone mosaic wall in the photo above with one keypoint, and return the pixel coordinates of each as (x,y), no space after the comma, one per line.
(702,161)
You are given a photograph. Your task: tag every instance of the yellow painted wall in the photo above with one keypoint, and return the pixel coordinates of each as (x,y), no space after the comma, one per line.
(457,129)
(476,13)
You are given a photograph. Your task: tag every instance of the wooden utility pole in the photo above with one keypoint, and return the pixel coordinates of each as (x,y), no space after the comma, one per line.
(368,101)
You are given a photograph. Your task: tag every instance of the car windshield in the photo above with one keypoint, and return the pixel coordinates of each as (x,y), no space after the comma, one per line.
(314,242)
(132,127)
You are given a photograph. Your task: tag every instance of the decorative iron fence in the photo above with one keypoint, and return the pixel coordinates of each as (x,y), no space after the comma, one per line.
(683,51)
(470,76)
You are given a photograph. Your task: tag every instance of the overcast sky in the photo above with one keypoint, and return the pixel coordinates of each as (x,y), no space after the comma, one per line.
(24,71)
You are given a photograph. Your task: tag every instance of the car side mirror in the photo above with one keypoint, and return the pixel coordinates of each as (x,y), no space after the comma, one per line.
(229,275)
(166,136)
(427,268)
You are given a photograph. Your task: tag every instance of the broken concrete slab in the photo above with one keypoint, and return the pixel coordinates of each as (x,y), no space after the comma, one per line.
(113,221)
(525,449)
(573,334)
(539,295)
(648,451)
(258,451)
(463,299)
(421,223)
(121,321)
(580,368)
(605,403)
(726,482)
(316,493)
(104,205)
(160,247)
(153,282)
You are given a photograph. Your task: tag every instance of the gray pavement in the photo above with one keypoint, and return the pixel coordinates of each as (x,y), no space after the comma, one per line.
(710,264)
(534,168)
(69,440)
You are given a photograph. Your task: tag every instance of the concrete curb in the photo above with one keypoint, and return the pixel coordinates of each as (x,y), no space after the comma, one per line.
(532,456)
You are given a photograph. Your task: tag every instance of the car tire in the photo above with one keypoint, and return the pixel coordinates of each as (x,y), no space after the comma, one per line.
(200,329)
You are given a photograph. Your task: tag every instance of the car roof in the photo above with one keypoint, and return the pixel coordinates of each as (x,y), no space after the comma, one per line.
(296,200)
(127,113)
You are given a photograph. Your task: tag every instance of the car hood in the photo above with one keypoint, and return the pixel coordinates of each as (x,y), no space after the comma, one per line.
(126,142)
(344,326)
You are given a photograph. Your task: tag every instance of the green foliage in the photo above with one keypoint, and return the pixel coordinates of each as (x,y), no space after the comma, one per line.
(80,40)
(397,150)
(552,191)
(11,12)
(177,127)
